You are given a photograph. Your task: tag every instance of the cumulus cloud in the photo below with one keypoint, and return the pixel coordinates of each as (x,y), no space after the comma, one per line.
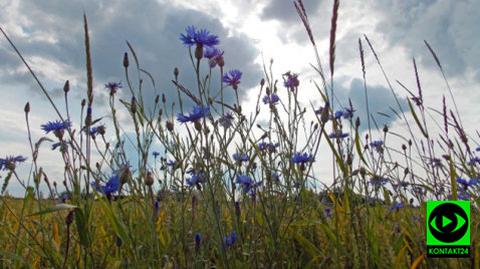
(449,26)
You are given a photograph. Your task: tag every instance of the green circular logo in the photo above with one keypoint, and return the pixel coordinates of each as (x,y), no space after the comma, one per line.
(448,222)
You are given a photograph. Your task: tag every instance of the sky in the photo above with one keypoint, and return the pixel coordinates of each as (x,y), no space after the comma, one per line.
(50,36)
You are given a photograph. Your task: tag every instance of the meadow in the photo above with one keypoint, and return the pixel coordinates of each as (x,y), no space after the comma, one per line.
(226,191)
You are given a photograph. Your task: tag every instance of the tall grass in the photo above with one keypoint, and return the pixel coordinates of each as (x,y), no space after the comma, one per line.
(193,204)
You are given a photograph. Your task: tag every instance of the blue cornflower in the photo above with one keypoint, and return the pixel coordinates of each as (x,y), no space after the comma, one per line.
(401,184)
(198,241)
(10,162)
(327,212)
(338,114)
(197,113)
(463,195)
(265,146)
(474,160)
(113,87)
(214,56)
(396,206)
(62,144)
(436,162)
(275,176)
(230,239)
(477,148)
(100,129)
(240,157)
(348,113)
(467,183)
(290,81)
(377,144)
(57,127)
(56,145)
(112,185)
(155,154)
(64,197)
(378,181)
(302,158)
(200,37)
(338,135)
(232,78)
(226,120)
(198,238)
(418,190)
(171,163)
(244,180)
(271,99)
(247,183)
(188,39)
(195,177)
(212,52)
(417,100)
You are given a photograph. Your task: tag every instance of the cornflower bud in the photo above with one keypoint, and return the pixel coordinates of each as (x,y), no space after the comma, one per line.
(133,105)
(125,60)
(176,72)
(169,125)
(66,87)
(149,179)
(199,52)
(27,107)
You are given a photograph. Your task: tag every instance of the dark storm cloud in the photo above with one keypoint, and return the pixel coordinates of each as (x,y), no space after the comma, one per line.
(380,101)
(152,28)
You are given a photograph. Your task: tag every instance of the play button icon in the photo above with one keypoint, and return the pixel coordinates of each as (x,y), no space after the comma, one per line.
(445,221)
(448,223)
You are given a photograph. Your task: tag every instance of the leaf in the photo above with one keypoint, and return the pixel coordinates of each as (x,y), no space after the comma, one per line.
(91,124)
(414,114)
(150,76)
(81,224)
(338,159)
(400,257)
(58,207)
(359,147)
(56,238)
(117,224)
(437,61)
(310,248)
(417,261)
(134,54)
(329,233)
(41,140)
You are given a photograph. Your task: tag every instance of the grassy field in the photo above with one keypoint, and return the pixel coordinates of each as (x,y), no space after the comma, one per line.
(227,190)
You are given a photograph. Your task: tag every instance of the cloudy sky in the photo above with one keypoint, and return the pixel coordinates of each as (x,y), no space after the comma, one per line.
(50,36)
